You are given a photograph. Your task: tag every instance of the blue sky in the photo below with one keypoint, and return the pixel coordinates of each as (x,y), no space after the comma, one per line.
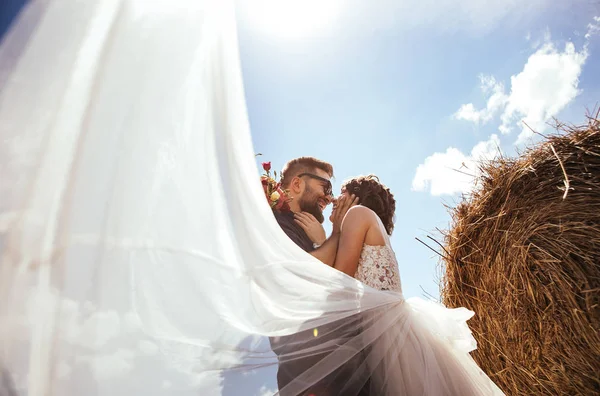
(389,88)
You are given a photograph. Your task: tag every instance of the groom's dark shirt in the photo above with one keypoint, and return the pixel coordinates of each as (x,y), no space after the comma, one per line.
(289,369)
(293,230)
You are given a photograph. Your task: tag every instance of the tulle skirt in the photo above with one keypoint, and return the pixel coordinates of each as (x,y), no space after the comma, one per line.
(411,347)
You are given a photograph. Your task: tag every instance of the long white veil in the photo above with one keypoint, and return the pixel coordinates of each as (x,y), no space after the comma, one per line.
(137,253)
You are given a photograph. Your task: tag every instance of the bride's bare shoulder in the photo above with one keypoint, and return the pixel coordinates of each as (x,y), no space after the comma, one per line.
(360,214)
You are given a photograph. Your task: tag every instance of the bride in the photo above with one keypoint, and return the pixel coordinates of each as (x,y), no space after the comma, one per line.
(136,253)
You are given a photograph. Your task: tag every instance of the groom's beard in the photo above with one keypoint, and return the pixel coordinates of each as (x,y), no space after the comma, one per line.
(310,203)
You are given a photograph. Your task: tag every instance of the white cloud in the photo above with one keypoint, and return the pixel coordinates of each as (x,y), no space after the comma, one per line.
(548,83)
(148,347)
(469,113)
(453,172)
(496,101)
(593,28)
(106,367)
(264,391)
(81,324)
(131,322)
(99,329)
(206,383)
(546,37)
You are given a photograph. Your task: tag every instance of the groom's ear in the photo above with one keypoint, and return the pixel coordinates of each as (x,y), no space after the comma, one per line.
(296,185)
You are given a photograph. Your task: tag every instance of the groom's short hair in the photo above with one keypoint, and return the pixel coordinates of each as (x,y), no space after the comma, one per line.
(301,165)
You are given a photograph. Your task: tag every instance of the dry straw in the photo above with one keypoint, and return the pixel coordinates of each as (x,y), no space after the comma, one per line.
(523,252)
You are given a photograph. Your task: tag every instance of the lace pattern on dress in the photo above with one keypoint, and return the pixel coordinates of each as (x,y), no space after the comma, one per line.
(378,268)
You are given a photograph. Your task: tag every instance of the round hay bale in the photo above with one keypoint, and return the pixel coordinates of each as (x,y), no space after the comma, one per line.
(523,252)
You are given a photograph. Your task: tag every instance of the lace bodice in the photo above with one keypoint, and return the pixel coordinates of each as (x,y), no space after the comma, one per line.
(378,268)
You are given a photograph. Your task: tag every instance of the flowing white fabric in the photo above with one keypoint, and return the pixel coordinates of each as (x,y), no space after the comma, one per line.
(137,253)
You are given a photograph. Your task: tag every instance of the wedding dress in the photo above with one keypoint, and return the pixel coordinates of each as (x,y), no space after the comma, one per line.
(137,254)
(427,344)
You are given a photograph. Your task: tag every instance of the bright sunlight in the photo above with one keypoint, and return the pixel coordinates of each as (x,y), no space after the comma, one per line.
(293,19)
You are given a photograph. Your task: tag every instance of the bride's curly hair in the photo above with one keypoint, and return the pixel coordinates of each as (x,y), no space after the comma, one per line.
(375,196)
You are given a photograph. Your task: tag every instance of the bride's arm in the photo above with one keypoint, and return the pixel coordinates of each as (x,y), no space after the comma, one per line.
(354,231)
(326,252)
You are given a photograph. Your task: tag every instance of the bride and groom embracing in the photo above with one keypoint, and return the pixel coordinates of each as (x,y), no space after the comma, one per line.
(417,359)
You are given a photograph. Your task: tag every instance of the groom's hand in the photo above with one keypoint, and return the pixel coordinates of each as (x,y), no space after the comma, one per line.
(341,207)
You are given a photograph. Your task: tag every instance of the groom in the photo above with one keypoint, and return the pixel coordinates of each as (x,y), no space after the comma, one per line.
(308,181)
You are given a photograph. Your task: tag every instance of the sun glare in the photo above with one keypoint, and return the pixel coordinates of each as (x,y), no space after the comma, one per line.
(293,19)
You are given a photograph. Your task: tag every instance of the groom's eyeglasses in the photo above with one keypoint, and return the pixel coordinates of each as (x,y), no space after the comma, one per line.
(328,187)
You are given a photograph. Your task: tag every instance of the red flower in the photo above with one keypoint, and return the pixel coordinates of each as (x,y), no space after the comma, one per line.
(282,205)
(266,166)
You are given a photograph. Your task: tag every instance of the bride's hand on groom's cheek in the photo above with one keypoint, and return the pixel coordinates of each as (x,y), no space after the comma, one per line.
(311,226)
(341,207)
